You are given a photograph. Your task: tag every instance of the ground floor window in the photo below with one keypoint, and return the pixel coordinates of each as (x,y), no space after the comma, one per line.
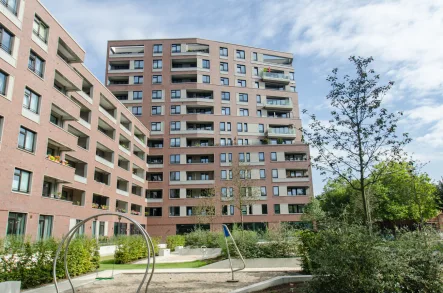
(120,228)
(188,228)
(45,227)
(16,224)
(133,230)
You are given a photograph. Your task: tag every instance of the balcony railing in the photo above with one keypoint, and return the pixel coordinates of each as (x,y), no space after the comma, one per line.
(198,51)
(278,102)
(13,8)
(35,70)
(281,131)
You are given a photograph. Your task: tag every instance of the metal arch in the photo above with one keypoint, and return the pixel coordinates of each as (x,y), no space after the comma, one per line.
(72,232)
(225,227)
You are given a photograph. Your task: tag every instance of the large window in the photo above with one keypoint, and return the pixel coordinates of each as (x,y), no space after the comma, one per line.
(241,69)
(226,111)
(6,39)
(156,126)
(3,82)
(174,193)
(137,111)
(274,173)
(262,173)
(176,48)
(157,64)
(138,95)
(175,109)
(36,64)
(174,175)
(243,97)
(244,112)
(174,159)
(156,95)
(261,157)
(156,110)
(156,79)
(273,156)
(295,208)
(26,139)
(254,56)
(206,79)
(175,142)
(45,227)
(223,51)
(21,181)
(206,64)
(175,125)
(158,49)
(10,4)
(139,64)
(138,79)
(226,96)
(275,191)
(31,101)
(240,54)
(120,228)
(224,81)
(241,83)
(40,29)
(224,66)
(175,94)
(16,224)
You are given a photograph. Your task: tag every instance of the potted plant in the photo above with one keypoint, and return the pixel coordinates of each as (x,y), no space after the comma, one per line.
(95,205)
(104,207)
(279,140)
(58,195)
(146,214)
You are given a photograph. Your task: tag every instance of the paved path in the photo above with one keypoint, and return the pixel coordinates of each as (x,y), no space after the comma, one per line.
(280,263)
(175,258)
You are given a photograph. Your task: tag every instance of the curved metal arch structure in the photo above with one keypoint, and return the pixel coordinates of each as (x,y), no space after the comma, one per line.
(67,239)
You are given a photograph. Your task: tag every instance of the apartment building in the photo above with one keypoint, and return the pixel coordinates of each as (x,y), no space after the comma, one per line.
(68,148)
(211,107)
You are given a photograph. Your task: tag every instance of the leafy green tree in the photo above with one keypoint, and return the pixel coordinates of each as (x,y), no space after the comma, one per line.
(360,134)
(440,194)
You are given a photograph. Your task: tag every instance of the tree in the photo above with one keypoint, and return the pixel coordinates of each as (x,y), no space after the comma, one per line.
(360,134)
(440,194)
(245,193)
(314,213)
(206,209)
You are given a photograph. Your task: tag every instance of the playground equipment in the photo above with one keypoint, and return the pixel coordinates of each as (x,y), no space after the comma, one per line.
(73,231)
(227,234)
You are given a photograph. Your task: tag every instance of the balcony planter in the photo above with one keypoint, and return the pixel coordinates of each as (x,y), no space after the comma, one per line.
(135,213)
(146,214)
(95,205)
(104,207)
(120,210)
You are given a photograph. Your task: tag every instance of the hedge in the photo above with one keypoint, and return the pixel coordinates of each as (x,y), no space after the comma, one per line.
(31,263)
(173,241)
(132,248)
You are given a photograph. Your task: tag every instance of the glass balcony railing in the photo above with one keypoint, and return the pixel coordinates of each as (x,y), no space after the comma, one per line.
(281,131)
(275,75)
(278,102)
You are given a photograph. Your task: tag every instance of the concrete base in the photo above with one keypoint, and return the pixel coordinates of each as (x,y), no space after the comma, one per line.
(273,282)
(164,252)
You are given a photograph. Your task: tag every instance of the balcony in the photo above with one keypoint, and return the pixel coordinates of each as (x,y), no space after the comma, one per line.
(195,110)
(155,143)
(136,209)
(153,212)
(118,80)
(278,103)
(200,159)
(277,77)
(136,190)
(124,145)
(185,78)
(139,136)
(100,202)
(138,173)
(199,96)
(123,163)
(279,114)
(195,142)
(64,142)
(106,129)
(184,64)
(192,49)
(73,195)
(121,206)
(126,51)
(199,178)
(281,132)
(155,161)
(277,60)
(154,176)
(294,157)
(104,155)
(102,177)
(199,192)
(138,153)
(122,187)
(67,76)
(125,124)
(289,175)
(81,139)
(81,169)
(154,195)
(58,170)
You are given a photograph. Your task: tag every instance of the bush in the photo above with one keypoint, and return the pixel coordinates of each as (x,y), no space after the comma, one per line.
(31,263)
(132,248)
(173,241)
(350,259)
(199,238)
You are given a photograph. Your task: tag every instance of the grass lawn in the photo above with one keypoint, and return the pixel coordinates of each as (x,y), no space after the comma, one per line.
(106,263)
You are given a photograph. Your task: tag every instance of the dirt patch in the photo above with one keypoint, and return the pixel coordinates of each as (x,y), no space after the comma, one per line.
(285,288)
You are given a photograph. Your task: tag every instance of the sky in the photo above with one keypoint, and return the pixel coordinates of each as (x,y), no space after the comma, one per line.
(405,37)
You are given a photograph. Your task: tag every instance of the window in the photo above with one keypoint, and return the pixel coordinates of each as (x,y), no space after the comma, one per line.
(261,128)
(241,157)
(275,190)
(206,64)
(139,64)
(224,175)
(228,126)
(175,176)
(44,227)
(263,191)
(11,5)
(258,113)
(294,191)
(6,40)
(256,85)
(157,64)
(295,208)
(264,209)
(244,112)
(156,79)
(222,126)
(138,79)
(274,173)
(291,75)
(156,110)
(206,79)
(254,56)
(138,95)
(21,181)
(16,224)
(156,95)
(174,159)
(224,81)
(40,29)
(239,127)
(262,173)
(174,193)
(36,64)
(137,111)
(292,89)
(176,48)
(175,109)
(31,101)
(3,81)
(175,94)
(224,66)
(175,125)
(241,69)
(226,111)
(26,139)
(273,156)
(258,99)
(243,97)
(261,157)
(175,142)
(240,54)
(158,49)
(223,52)
(241,82)
(156,126)
(255,71)
(226,96)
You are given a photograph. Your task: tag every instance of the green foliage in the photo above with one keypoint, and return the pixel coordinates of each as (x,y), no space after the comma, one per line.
(132,248)
(200,237)
(173,241)
(31,263)
(349,259)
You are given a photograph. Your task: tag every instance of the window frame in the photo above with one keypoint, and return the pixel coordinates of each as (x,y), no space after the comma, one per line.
(41,26)
(157,79)
(156,63)
(30,97)
(29,183)
(155,48)
(24,131)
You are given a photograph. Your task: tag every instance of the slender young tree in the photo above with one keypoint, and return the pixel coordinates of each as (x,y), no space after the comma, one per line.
(360,134)
(206,209)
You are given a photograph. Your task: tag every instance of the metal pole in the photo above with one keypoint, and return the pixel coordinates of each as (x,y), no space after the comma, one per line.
(228,234)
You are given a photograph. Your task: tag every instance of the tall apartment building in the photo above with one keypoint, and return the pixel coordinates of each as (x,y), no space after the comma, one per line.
(210,107)
(68,148)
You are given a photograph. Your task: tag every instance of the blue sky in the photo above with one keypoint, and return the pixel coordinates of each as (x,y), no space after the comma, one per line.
(405,37)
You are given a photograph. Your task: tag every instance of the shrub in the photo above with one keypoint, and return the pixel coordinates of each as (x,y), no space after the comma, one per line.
(31,263)
(132,248)
(350,259)
(173,241)
(199,238)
